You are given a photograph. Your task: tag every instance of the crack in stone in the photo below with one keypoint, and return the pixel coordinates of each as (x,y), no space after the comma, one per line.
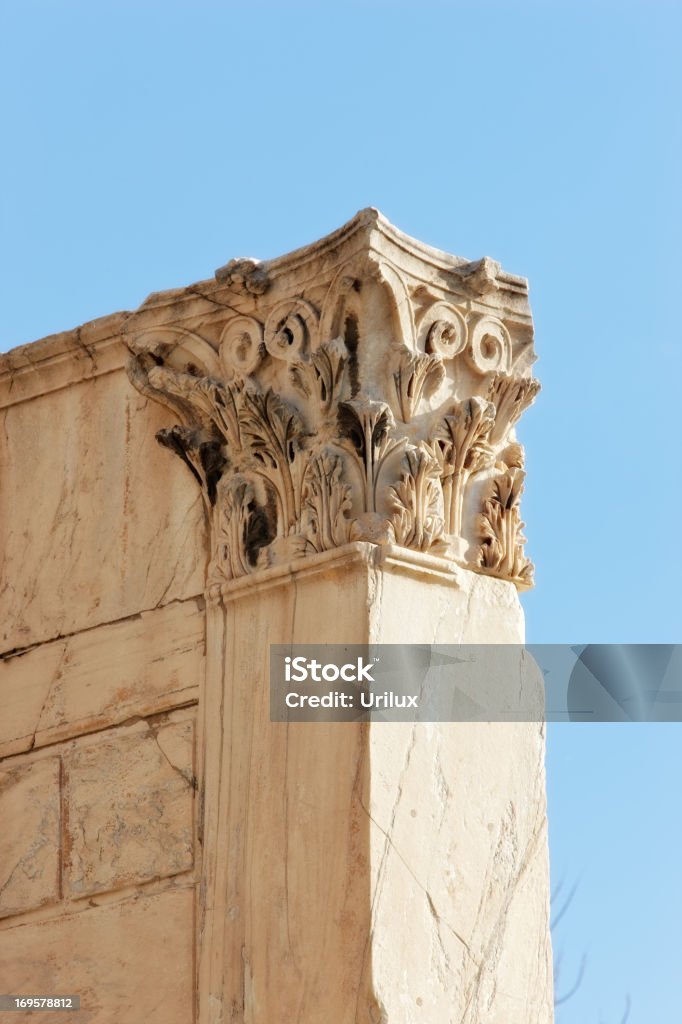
(188,777)
(499,926)
(18,652)
(56,676)
(423,888)
(193,290)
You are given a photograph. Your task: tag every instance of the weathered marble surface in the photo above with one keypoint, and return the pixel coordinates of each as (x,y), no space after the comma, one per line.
(102,812)
(369,872)
(129,961)
(91,680)
(129,807)
(102,564)
(95,524)
(30,841)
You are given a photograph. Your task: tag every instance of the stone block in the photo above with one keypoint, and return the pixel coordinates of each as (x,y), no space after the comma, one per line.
(141,666)
(129,807)
(29,836)
(128,962)
(96,531)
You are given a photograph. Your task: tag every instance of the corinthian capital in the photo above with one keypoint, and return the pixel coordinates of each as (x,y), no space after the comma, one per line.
(363,388)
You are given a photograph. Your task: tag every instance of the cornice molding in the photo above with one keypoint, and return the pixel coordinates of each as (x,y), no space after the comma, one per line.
(60,360)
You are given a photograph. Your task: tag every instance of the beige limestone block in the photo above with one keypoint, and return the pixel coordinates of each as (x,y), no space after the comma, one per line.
(129,962)
(458,837)
(284,907)
(149,663)
(373,872)
(25,682)
(29,836)
(462,607)
(62,359)
(459,864)
(96,523)
(129,807)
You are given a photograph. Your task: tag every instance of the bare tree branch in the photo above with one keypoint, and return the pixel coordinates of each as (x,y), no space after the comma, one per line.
(558,1000)
(559,956)
(554,895)
(564,906)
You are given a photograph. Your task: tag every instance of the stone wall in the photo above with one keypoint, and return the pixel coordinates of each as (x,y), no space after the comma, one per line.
(102,622)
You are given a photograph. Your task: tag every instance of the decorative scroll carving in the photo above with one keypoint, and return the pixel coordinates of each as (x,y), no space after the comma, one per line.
(289,329)
(443,330)
(307,431)
(241,346)
(489,348)
(501,530)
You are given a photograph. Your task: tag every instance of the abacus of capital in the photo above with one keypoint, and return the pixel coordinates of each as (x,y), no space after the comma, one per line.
(339,464)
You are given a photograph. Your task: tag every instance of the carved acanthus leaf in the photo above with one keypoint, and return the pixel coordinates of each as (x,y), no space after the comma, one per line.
(366,425)
(273,430)
(417,376)
(511,396)
(465,433)
(511,457)
(322,375)
(417,502)
(326,502)
(241,530)
(501,530)
(464,449)
(209,401)
(204,458)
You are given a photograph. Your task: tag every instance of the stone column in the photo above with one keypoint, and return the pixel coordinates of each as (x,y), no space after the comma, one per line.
(348,412)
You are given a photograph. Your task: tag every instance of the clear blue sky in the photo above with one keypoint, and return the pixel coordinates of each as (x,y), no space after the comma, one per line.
(146,143)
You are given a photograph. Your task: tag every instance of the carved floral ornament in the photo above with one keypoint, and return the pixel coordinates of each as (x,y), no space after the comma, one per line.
(308,428)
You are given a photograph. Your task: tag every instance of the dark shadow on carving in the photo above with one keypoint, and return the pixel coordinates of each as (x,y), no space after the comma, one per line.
(351,336)
(260,531)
